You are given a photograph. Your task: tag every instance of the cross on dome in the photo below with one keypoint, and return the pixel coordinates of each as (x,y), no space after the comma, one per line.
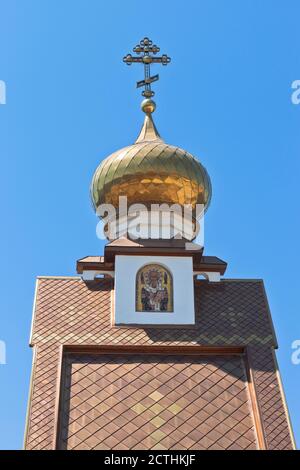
(146,54)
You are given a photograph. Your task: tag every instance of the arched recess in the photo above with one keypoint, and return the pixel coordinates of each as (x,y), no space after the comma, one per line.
(154,289)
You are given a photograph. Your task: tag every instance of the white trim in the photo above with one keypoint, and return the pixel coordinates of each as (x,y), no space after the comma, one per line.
(33,311)
(126,269)
(284,402)
(89,275)
(29,403)
(211,276)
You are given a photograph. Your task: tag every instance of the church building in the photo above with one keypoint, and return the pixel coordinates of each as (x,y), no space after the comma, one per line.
(149,346)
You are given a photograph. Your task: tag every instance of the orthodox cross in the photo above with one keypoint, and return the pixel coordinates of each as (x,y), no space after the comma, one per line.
(147,51)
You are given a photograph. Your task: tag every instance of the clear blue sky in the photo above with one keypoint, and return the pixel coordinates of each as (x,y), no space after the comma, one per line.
(226,97)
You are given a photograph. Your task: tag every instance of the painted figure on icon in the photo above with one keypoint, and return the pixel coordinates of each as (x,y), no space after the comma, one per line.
(154,291)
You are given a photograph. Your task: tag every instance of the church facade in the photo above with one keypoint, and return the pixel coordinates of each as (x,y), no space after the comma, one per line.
(149,346)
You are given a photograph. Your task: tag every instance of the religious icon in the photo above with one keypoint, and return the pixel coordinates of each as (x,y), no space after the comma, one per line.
(154,289)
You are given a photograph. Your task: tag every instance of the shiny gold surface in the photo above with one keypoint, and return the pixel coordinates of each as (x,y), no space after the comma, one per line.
(154,188)
(148,132)
(148,106)
(151,171)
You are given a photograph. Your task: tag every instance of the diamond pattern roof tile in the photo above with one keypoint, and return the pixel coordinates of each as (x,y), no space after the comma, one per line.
(173,402)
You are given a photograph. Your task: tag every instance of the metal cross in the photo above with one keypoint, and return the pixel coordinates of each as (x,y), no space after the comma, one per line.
(147,50)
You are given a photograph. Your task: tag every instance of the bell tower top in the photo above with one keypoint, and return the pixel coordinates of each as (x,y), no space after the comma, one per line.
(150,171)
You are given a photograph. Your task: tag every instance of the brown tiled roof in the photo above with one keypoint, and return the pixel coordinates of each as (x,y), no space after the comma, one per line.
(229,312)
(70,311)
(155,402)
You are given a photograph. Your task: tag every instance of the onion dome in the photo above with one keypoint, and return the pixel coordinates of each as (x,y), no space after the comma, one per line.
(151,172)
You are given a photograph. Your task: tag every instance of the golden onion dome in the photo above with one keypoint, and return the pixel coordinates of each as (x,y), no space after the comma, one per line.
(151,172)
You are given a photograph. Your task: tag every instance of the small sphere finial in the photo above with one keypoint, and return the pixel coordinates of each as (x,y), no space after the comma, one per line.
(148,106)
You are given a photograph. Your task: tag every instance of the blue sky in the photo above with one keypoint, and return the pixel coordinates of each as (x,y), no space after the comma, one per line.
(226,97)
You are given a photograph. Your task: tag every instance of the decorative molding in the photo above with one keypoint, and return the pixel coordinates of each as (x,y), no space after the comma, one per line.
(91,275)
(211,276)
